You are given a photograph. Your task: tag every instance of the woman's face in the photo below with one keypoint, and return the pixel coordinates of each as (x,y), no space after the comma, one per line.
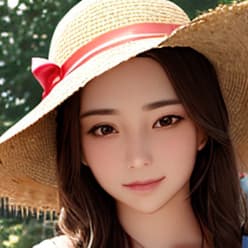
(136,136)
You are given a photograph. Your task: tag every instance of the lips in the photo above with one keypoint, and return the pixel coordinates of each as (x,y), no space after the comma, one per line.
(144,185)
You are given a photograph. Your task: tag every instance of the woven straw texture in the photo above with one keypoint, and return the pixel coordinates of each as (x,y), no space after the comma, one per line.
(77,29)
(28,149)
(223,38)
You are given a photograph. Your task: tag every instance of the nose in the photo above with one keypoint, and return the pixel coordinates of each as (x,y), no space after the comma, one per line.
(138,152)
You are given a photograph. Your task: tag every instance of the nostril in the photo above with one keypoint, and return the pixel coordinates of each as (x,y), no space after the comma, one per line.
(146,163)
(139,164)
(138,153)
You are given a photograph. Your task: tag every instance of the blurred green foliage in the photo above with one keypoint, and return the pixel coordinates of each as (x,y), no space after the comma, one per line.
(196,7)
(24,233)
(26,27)
(25,32)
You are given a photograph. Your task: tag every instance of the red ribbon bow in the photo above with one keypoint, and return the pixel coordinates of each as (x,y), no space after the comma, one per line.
(49,74)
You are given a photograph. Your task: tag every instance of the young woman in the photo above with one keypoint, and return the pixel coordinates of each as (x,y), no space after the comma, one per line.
(145,141)
(150,164)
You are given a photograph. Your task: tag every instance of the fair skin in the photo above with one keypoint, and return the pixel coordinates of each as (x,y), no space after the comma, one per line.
(132,141)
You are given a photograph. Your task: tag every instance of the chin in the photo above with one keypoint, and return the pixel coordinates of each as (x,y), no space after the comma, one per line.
(148,208)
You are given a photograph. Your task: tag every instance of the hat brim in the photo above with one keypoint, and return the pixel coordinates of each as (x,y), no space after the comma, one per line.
(221,35)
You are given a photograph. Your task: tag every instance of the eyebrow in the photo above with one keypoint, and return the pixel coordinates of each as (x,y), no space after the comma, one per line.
(149,106)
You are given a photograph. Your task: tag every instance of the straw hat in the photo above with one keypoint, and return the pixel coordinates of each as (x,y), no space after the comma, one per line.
(97,35)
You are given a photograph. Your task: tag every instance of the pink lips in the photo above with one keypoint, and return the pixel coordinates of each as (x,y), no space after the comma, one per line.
(144,185)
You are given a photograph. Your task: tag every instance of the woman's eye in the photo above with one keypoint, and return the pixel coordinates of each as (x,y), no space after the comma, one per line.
(102,130)
(167,121)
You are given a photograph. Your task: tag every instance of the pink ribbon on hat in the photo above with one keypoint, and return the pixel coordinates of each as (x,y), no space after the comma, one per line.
(49,74)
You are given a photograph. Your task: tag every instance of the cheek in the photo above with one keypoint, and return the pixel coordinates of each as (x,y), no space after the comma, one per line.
(175,150)
(102,155)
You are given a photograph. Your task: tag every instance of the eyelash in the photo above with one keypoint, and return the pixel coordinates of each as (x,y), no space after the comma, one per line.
(173,119)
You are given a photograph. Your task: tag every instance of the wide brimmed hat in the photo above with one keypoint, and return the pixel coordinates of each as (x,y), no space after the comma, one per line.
(95,36)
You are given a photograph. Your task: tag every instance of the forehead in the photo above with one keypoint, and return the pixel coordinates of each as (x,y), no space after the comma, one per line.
(134,82)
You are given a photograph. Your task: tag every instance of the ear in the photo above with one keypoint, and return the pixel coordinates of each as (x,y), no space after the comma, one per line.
(202,144)
(83,161)
(202,139)
(83,157)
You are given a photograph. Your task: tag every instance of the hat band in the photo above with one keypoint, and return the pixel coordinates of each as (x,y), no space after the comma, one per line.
(49,74)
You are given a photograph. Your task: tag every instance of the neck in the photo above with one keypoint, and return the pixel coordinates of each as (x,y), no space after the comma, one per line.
(173,225)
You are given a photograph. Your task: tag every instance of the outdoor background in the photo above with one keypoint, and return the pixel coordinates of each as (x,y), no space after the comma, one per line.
(26,27)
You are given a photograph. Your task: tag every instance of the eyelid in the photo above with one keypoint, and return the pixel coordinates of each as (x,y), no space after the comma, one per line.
(177,117)
(98,126)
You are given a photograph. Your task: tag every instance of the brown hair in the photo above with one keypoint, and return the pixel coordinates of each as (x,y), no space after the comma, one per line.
(215,191)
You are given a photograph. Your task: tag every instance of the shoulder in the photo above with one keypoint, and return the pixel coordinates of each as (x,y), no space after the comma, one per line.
(60,241)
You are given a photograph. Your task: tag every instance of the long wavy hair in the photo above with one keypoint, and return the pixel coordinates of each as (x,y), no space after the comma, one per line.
(89,216)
